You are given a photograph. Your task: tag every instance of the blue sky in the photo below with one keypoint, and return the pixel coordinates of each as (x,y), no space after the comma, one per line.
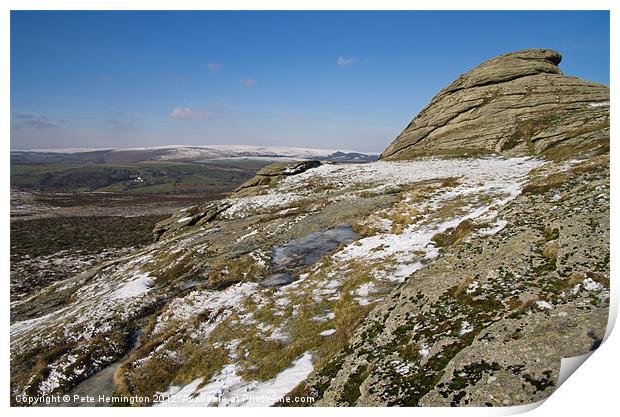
(337,80)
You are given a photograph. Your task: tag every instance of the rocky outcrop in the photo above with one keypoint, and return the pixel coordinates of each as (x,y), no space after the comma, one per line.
(488,322)
(273,173)
(191,216)
(516,104)
(204,213)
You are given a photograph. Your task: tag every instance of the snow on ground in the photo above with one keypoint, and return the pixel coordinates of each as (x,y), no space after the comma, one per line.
(365,289)
(385,173)
(247,235)
(219,304)
(424,350)
(140,285)
(497,179)
(543,305)
(246,206)
(228,389)
(21,327)
(114,295)
(329,316)
(466,327)
(471,288)
(56,375)
(246,151)
(590,285)
(494,228)
(118,291)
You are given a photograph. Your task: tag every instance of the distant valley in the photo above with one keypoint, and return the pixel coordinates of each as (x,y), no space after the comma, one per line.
(71,208)
(169,170)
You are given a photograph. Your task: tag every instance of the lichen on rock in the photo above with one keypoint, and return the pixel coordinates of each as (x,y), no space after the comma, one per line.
(514,104)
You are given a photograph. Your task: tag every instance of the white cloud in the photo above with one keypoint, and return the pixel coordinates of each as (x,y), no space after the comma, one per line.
(34,121)
(214,66)
(248,82)
(345,62)
(185,113)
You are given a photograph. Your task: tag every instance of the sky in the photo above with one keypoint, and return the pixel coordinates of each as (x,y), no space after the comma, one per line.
(348,80)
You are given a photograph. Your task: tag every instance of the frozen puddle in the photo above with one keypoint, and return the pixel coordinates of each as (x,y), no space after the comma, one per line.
(311,248)
(306,250)
(227,389)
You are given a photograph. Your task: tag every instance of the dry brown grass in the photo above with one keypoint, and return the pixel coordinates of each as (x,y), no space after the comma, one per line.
(578,278)
(201,360)
(227,272)
(544,181)
(551,251)
(463,284)
(450,182)
(543,184)
(523,306)
(365,230)
(454,236)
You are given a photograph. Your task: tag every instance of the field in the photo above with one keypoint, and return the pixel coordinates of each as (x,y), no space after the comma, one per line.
(136,178)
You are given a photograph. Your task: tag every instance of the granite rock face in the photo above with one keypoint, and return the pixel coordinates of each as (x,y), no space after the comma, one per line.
(515,104)
(273,173)
(488,321)
(201,214)
(191,216)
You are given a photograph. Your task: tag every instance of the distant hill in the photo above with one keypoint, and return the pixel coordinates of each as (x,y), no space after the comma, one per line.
(181,153)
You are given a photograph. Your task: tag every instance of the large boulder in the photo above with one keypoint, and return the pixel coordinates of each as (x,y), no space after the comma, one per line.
(206,212)
(273,173)
(191,216)
(516,104)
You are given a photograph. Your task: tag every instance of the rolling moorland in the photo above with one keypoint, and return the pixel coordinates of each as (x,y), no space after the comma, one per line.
(73,208)
(455,271)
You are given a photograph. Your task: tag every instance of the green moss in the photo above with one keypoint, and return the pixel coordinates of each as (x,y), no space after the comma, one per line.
(467,376)
(551,233)
(351,391)
(594,224)
(540,384)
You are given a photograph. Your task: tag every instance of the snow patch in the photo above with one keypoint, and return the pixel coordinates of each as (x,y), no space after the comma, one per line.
(228,389)
(365,289)
(466,327)
(247,235)
(219,304)
(140,285)
(326,317)
(599,104)
(471,288)
(590,285)
(494,228)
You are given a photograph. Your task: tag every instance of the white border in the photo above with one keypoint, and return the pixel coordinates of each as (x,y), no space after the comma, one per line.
(590,391)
